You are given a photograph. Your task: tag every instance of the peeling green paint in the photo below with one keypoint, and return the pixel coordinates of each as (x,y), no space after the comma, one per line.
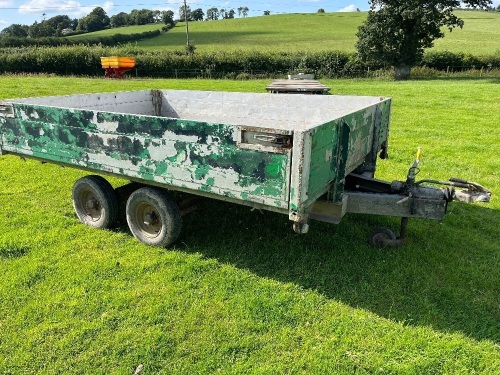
(190,154)
(204,156)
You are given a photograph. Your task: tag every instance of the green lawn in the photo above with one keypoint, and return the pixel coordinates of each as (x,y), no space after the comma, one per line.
(308,32)
(240,292)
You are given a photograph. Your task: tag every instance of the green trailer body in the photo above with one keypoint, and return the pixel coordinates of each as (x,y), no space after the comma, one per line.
(277,152)
(286,153)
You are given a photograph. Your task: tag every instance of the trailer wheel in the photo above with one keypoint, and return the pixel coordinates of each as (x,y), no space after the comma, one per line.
(153,217)
(95,202)
(379,236)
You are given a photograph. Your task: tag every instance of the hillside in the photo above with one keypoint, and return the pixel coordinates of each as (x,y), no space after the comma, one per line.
(308,32)
(287,32)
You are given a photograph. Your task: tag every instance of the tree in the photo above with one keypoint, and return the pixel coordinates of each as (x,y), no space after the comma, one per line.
(141,17)
(157,16)
(94,21)
(185,13)
(73,24)
(167,17)
(101,15)
(225,14)
(58,23)
(89,24)
(396,32)
(321,10)
(118,20)
(244,11)
(197,14)
(240,9)
(15,30)
(213,14)
(267,13)
(41,30)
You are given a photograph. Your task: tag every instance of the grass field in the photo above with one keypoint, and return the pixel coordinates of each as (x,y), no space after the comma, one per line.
(308,32)
(240,292)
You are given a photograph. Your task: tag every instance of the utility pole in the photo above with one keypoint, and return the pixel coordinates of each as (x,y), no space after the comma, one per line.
(188,49)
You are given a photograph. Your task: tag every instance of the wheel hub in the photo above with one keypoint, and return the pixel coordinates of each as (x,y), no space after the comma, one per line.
(91,204)
(150,218)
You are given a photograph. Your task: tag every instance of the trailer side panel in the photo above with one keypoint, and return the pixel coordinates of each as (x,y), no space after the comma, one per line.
(199,156)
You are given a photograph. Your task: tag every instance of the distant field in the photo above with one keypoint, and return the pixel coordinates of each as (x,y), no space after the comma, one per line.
(308,32)
(120,30)
(287,32)
(480,35)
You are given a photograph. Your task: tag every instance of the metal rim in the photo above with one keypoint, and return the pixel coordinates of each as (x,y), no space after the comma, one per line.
(148,220)
(90,205)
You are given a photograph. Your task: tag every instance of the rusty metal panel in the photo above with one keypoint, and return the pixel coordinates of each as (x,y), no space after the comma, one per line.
(395,205)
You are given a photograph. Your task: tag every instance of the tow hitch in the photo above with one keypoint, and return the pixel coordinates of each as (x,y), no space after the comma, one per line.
(405,199)
(473,192)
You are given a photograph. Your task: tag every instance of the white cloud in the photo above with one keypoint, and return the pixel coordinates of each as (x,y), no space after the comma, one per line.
(69,7)
(349,8)
(6,3)
(3,22)
(40,6)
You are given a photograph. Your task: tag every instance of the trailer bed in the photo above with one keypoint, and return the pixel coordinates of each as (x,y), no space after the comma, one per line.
(277,152)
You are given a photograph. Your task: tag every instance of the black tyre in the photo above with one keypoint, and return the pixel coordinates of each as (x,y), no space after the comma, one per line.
(380,235)
(95,202)
(153,217)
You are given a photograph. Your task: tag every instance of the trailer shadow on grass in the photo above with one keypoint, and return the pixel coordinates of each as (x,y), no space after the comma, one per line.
(446,276)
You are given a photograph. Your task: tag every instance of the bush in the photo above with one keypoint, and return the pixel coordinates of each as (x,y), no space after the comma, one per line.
(84,60)
(445,60)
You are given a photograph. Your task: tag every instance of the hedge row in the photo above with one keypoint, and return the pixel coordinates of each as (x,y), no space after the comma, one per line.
(446,60)
(85,60)
(111,40)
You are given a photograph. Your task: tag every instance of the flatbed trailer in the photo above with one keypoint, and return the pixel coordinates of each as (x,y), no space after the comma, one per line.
(309,157)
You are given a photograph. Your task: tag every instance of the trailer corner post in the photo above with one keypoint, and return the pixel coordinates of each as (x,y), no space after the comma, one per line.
(300,169)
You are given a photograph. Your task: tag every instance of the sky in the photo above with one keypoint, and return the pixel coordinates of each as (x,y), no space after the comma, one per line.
(27,12)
